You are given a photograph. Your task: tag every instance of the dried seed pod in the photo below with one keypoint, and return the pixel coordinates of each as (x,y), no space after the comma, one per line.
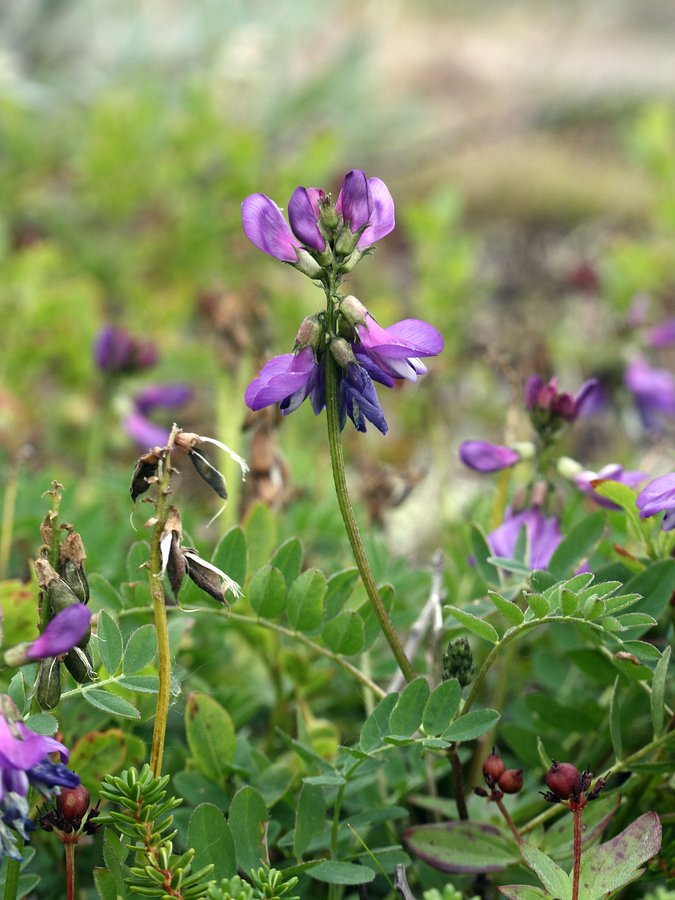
(48,683)
(146,468)
(79,664)
(208,577)
(208,473)
(176,567)
(75,578)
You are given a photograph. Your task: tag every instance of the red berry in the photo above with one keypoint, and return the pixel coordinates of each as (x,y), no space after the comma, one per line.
(73,803)
(493,767)
(511,781)
(564,780)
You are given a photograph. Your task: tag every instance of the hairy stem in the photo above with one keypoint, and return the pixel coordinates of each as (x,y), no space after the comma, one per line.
(509,821)
(352,529)
(159,609)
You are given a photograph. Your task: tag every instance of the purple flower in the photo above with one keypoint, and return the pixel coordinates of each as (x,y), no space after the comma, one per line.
(157,396)
(543,536)
(25,761)
(364,207)
(115,350)
(482,456)
(366,202)
(662,335)
(65,630)
(287,380)
(653,390)
(550,410)
(291,378)
(395,350)
(659,496)
(612,472)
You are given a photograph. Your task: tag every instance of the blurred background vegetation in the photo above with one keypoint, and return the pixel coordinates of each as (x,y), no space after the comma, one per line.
(530,151)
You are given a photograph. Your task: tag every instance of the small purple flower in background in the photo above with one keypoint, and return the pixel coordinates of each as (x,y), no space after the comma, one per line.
(653,390)
(543,536)
(482,456)
(662,335)
(25,762)
(63,632)
(362,215)
(659,496)
(115,350)
(551,409)
(159,396)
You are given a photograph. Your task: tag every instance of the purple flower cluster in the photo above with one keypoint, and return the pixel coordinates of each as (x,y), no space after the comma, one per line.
(319,230)
(373,353)
(25,762)
(324,241)
(551,409)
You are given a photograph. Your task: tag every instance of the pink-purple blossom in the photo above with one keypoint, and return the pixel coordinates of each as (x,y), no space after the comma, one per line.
(138,423)
(24,762)
(396,350)
(63,632)
(653,390)
(482,456)
(364,208)
(659,496)
(543,536)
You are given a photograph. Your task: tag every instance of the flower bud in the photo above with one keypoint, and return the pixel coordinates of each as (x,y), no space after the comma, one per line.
(563,780)
(308,265)
(493,767)
(310,334)
(458,662)
(73,804)
(353,310)
(342,353)
(327,213)
(511,781)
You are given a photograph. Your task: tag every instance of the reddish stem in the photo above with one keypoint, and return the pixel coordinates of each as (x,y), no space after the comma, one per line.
(70,870)
(576,810)
(509,821)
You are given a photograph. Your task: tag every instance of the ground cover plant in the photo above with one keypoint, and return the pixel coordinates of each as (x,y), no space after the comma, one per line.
(413,640)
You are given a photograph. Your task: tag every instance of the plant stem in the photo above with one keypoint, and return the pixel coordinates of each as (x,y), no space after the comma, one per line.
(70,870)
(577,852)
(159,609)
(352,529)
(509,821)
(458,776)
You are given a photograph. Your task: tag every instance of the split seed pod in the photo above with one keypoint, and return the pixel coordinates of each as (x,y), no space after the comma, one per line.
(146,468)
(48,683)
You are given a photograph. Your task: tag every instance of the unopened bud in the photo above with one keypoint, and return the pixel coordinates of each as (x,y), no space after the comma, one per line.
(327,213)
(342,353)
(493,767)
(308,265)
(511,781)
(458,662)
(563,780)
(310,334)
(353,310)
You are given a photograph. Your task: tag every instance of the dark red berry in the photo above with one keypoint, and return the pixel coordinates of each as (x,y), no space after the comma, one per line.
(73,803)
(493,767)
(511,781)
(564,780)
